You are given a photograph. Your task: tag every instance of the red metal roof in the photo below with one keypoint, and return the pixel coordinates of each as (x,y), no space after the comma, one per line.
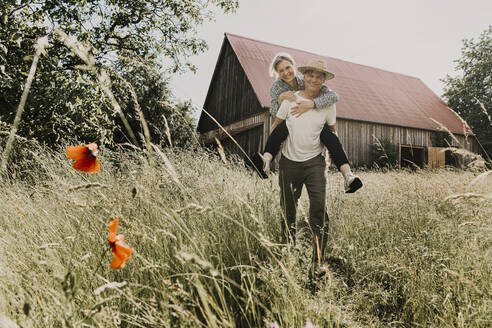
(366,93)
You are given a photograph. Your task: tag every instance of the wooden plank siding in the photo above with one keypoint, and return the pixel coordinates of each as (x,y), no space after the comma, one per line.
(249,141)
(236,127)
(436,157)
(357,137)
(230,96)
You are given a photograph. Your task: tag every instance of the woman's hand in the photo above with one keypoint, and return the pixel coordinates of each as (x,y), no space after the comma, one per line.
(302,107)
(289,95)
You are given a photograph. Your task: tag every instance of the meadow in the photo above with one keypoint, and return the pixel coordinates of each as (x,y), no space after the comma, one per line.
(410,249)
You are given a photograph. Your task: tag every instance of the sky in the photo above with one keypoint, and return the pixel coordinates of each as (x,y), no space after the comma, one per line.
(420,38)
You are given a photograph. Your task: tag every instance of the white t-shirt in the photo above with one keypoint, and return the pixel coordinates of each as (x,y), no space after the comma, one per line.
(303,142)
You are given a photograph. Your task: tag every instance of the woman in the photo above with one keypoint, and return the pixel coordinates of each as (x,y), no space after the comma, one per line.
(283,67)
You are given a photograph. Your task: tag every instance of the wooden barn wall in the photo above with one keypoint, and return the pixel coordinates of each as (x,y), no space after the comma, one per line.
(249,141)
(231,97)
(357,137)
(237,127)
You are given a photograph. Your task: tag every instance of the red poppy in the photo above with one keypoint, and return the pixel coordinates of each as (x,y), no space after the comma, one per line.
(122,252)
(85,158)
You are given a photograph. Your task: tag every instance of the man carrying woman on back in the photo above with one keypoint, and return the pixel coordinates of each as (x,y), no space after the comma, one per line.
(284,88)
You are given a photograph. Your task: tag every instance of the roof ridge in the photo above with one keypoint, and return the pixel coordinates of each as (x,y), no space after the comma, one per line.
(310,52)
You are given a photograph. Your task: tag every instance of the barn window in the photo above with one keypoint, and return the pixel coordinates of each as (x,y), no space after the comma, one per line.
(411,156)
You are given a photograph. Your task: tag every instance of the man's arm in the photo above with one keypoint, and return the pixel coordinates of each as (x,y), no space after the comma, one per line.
(282,113)
(276,122)
(331,118)
(333,129)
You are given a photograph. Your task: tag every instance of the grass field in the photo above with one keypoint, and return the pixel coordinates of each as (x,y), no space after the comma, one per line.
(206,239)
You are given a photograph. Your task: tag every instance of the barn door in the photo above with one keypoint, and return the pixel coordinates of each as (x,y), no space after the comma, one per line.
(436,157)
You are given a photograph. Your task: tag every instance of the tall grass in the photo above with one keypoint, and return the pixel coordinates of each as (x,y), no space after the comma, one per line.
(206,238)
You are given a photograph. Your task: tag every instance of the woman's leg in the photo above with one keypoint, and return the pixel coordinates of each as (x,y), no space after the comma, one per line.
(278,135)
(272,147)
(339,157)
(335,148)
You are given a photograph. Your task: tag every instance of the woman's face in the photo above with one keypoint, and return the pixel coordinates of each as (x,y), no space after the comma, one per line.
(286,71)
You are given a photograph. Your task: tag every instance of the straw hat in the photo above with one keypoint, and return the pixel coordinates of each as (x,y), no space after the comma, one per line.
(318,66)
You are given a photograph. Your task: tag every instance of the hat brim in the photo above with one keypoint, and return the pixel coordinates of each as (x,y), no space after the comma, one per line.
(328,75)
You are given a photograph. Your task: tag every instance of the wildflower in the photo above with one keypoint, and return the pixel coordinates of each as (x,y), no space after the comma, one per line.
(122,252)
(274,325)
(85,158)
(309,324)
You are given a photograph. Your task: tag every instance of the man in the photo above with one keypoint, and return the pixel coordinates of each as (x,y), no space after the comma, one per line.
(302,162)
(284,87)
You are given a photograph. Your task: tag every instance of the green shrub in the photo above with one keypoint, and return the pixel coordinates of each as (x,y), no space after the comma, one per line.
(384,153)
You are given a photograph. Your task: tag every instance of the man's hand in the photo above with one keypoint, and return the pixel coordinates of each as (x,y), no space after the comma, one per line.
(289,95)
(276,122)
(302,107)
(333,129)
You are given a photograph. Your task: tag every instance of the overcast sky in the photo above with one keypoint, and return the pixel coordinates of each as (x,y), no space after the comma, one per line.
(420,38)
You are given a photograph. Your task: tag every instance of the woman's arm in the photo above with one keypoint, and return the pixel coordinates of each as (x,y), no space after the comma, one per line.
(302,107)
(275,91)
(278,93)
(327,98)
(287,95)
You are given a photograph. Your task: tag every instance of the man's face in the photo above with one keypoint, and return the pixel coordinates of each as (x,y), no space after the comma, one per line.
(314,80)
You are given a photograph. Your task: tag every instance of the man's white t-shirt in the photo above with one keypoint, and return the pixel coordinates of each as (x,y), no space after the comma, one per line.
(303,142)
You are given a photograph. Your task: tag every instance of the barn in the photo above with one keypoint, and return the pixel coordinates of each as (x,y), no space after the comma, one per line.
(375,106)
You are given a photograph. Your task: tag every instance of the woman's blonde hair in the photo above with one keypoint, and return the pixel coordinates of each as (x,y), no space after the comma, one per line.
(281,56)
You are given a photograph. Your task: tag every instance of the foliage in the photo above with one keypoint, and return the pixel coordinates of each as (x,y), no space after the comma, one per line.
(441,139)
(207,253)
(161,115)
(132,39)
(470,94)
(383,153)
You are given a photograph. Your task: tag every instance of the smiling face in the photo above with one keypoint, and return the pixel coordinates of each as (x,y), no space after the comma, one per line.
(314,80)
(285,71)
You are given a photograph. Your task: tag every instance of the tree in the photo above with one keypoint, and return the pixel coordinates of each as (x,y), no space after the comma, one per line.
(470,94)
(129,38)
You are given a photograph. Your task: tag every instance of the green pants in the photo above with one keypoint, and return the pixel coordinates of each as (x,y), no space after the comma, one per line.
(292,177)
